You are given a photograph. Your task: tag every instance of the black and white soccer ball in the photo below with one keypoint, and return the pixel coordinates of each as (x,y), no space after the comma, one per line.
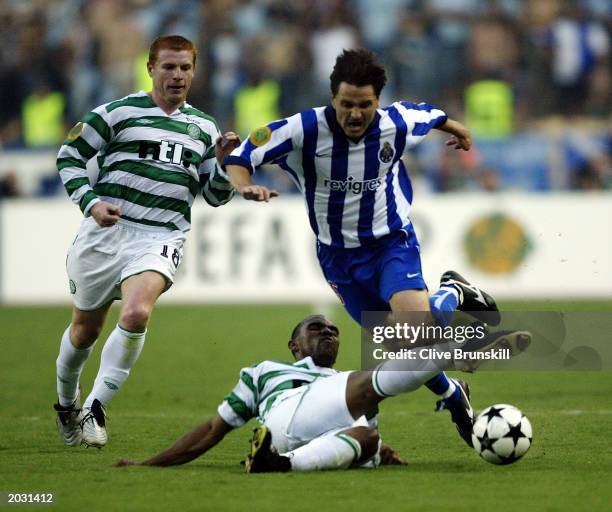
(502,434)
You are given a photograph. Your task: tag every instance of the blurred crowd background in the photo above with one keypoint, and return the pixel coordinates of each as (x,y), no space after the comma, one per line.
(531,78)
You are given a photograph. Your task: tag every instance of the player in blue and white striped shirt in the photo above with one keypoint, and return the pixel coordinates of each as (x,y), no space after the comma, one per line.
(346,160)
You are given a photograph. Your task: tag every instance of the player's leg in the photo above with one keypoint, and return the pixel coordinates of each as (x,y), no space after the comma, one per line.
(125,343)
(365,389)
(335,450)
(149,260)
(417,303)
(456,293)
(75,348)
(341,450)
(312,429)
(92,274)
(393,378)
(121,350)
(412,307)
(402,285)
(454,395)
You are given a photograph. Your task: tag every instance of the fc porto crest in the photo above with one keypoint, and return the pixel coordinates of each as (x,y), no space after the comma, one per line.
(386,153)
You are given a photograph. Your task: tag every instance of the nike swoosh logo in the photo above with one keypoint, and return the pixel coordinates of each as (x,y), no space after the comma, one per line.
(410,276)
(321,155)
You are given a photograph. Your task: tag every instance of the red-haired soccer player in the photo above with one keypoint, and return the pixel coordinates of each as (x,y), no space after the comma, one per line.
(155,153)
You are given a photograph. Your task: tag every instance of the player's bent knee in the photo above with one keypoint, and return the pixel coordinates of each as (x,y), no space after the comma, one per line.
(368,439)
(369,445)
(135,317)
(360,394)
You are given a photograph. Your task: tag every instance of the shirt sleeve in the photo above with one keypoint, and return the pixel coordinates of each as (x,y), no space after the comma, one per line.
(216,187)
(420,119)
(268,143)
(82,143)
(240,405)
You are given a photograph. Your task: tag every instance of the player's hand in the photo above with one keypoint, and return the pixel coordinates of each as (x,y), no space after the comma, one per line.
(105,214)
(461,140)
(258,193)
(124,462)
(464,143)
(389,457)
(225,144)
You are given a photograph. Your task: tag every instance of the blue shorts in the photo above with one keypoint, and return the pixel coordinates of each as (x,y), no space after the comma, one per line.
(365,278)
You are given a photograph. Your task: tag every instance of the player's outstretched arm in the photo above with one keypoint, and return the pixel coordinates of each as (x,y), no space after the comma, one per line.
(241,180)
(189,447)
(462,137)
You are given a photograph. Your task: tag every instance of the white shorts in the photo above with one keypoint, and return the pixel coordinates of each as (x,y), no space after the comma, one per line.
(302,414)
(101,258)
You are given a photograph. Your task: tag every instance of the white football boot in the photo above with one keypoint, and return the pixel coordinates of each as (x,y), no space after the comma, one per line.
(94,425)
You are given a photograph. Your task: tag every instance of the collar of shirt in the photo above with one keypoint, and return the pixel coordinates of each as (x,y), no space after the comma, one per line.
(177,112)
(336,129)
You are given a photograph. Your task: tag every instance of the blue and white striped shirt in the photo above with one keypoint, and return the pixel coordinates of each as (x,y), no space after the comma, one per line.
(355,192)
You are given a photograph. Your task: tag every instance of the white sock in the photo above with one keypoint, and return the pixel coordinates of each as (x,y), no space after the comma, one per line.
(393,377)
(119,354)
(69,365)
(337,451)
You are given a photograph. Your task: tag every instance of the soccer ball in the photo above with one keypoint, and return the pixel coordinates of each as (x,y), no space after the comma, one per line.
(502,434)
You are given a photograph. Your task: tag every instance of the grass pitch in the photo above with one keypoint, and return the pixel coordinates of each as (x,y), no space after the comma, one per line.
(191,360)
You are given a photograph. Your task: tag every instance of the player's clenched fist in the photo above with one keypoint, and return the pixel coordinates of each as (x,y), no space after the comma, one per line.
(225,144)
(105,214)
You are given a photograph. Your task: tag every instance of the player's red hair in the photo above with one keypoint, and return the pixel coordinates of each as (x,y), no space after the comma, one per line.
(176,43)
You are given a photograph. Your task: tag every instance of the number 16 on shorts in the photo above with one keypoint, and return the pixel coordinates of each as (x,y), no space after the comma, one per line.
(175,256)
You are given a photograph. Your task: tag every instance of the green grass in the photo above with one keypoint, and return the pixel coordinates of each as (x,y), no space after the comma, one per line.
(191,359)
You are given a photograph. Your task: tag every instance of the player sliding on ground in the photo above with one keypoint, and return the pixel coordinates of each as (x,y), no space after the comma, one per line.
(156,154)
(346,159)
(312,416)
